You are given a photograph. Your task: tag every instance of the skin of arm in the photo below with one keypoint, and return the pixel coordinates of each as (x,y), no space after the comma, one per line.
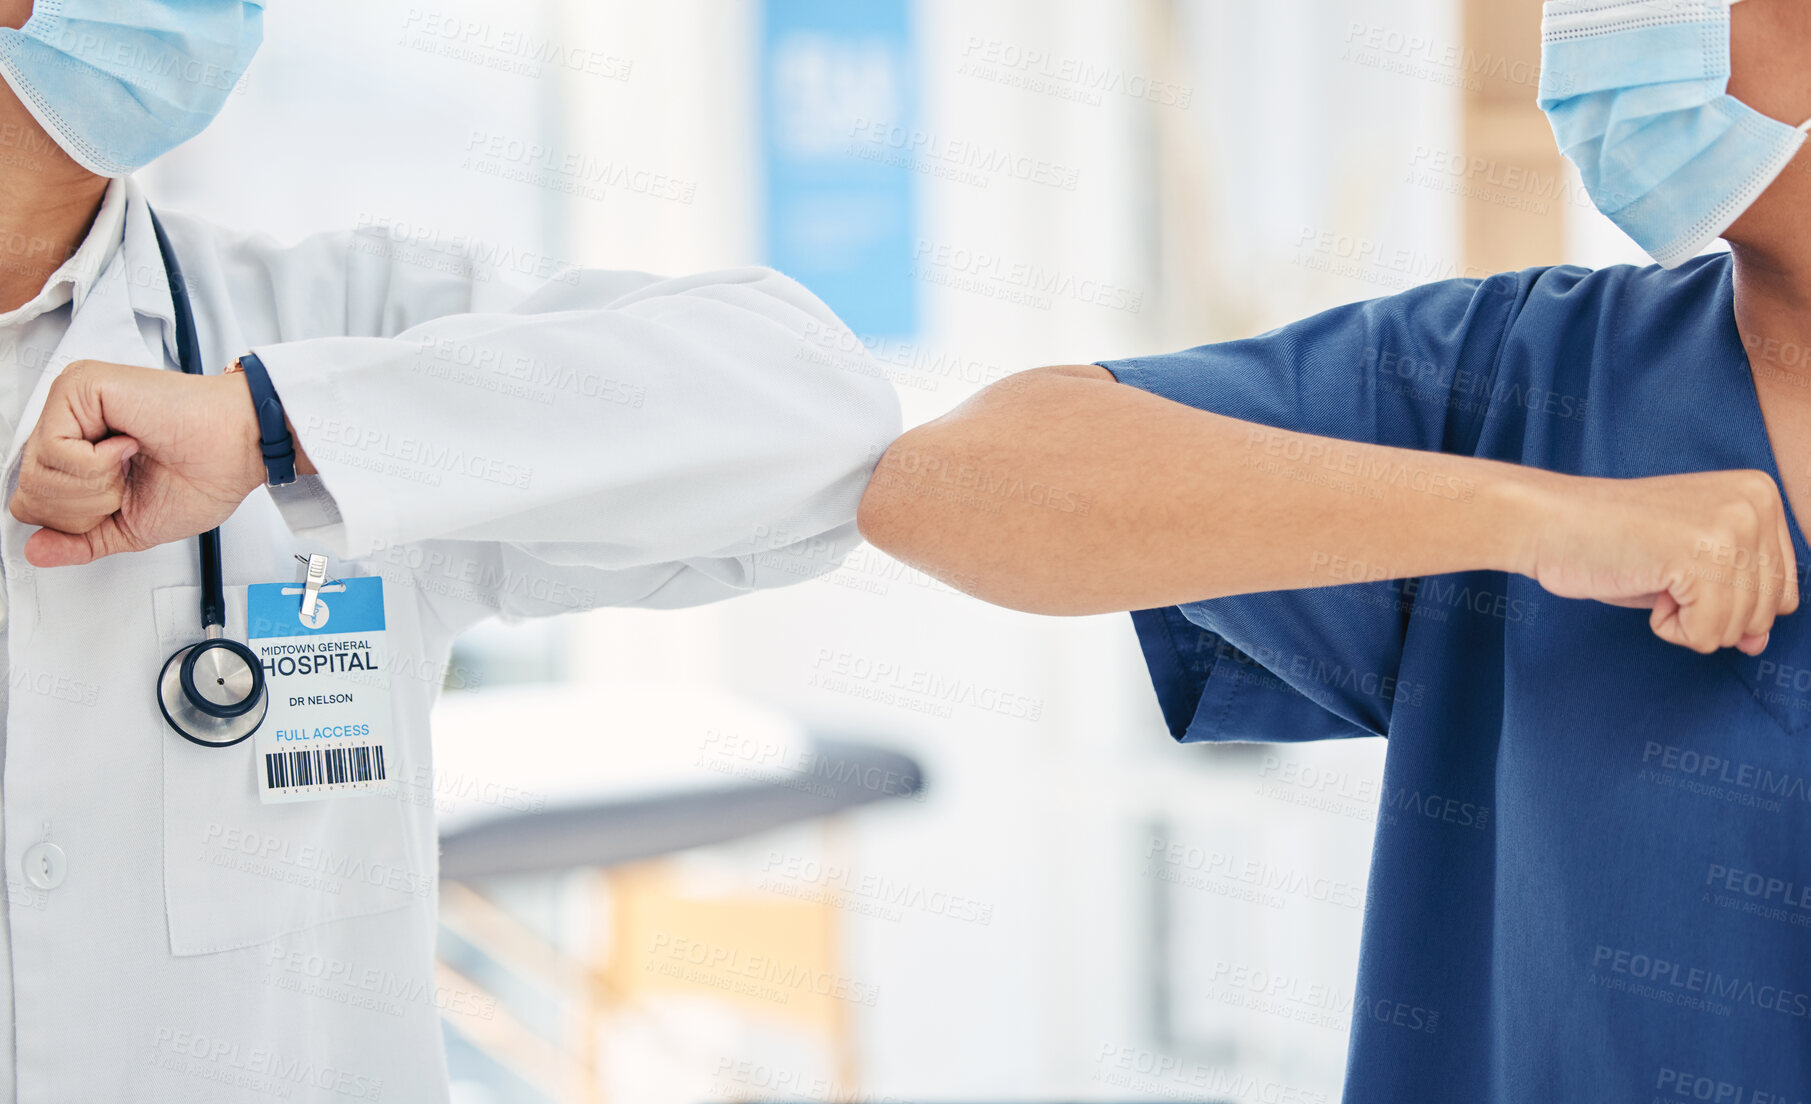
(1061,491)
(1165,504)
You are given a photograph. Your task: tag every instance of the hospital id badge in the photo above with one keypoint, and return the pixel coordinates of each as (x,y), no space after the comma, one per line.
(326,677)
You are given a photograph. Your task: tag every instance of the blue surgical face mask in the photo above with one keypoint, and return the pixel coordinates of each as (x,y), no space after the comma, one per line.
(118,82)
(1637,92)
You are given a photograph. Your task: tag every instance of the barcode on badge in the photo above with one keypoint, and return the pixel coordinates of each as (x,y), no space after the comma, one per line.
(293,770)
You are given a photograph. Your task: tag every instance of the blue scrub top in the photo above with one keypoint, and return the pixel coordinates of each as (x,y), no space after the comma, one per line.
(1592,871)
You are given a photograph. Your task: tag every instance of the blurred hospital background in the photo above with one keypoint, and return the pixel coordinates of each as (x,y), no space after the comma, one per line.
(864,838)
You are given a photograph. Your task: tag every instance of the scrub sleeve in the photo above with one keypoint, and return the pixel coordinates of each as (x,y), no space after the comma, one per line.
(1412,371)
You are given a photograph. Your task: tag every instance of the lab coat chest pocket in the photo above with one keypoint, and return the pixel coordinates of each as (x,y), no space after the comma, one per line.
(239,872)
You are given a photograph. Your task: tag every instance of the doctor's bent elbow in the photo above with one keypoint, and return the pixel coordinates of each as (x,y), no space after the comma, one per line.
(857,408)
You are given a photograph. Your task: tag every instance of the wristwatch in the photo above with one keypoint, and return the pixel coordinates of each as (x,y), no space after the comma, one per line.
(274,442)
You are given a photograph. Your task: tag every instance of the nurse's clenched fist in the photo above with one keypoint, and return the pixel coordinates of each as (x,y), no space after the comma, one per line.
(126,458)
(1710,553)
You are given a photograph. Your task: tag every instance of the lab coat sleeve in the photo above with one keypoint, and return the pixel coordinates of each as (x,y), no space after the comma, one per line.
(606,439)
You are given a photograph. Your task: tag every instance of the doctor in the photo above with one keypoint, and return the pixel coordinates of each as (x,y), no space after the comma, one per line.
(169,935)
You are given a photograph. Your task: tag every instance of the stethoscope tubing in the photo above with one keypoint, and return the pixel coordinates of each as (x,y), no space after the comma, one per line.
(188,356)
(181,701)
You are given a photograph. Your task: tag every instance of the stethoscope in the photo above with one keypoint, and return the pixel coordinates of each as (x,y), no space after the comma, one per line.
(211,692)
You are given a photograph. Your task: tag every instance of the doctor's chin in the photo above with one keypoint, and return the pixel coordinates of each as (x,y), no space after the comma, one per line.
(777,550)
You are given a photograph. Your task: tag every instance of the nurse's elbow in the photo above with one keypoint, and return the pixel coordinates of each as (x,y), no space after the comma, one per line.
(924,504)
(912,508)
(896,518)
(890,515)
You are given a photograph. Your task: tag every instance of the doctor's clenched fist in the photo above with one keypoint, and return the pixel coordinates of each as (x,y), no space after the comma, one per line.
(126,458)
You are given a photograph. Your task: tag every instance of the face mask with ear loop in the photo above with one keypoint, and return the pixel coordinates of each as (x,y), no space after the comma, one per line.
(1637,92)
(117,83)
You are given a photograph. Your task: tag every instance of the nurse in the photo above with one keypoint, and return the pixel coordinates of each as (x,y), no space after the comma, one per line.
(600,439)
(1530,529)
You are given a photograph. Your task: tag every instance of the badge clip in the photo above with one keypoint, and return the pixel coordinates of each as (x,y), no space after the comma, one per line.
(311,587)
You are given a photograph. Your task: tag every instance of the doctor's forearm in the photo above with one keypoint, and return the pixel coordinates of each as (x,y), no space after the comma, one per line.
(687,422)
(1060,491)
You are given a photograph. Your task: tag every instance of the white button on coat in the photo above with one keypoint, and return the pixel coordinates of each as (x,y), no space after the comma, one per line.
(45,865)
(602,439)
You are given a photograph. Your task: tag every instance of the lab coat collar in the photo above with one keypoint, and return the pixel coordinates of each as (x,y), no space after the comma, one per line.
(147,285)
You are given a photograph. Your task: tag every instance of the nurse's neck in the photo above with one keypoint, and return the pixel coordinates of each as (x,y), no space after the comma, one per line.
(1771,245)
(1770,57)
(47,203)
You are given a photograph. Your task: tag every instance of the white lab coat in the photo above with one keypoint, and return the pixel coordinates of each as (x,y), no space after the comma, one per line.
(612,438)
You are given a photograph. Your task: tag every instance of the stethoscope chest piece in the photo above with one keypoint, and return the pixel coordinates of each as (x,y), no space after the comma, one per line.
(212,692)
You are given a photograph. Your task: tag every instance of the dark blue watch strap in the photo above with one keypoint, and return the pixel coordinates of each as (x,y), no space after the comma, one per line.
(273,429)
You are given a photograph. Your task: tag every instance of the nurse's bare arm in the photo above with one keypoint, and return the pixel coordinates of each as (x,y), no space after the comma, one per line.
(1062,491)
